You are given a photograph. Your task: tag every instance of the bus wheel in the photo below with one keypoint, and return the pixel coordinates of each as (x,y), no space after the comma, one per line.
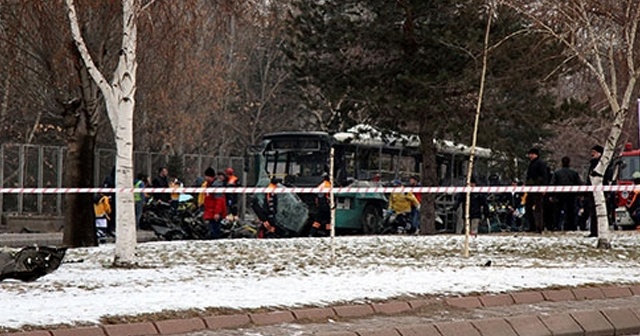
(371,220)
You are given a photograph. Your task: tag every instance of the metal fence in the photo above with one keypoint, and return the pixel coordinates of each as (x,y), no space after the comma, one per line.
(41,166)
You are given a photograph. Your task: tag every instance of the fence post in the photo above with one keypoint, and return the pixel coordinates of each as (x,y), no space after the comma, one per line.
(20,177)
(243,198)
(59,180)
(40,181)
(149,161)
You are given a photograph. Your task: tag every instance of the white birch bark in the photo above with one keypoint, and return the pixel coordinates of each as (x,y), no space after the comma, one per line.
(119,96)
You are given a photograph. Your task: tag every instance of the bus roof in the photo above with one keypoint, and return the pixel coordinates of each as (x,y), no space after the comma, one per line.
(310,134)
(368,135)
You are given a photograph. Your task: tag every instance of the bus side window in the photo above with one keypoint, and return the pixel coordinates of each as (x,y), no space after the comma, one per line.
(444,172)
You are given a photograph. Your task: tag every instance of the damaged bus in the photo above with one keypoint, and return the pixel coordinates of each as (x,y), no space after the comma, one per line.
(364,157)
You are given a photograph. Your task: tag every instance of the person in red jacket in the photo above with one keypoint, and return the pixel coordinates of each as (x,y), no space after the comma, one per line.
(215,204)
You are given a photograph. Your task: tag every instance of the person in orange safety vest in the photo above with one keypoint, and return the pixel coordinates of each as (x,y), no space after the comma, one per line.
(322,224)
(232,198)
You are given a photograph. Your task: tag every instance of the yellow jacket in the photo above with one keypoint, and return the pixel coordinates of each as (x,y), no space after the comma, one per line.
(202,194)
(174,195)
(402,202)
(102,209)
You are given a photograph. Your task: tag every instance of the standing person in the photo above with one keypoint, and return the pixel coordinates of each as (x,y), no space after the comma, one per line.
(102,211)
(537,175)
(232,198)
(478,207)
(322,223)
(270,207)
(162,181)
(174,182)
(633,201)
(566,201)
(214,204)
(515,207)
(415,211)
(589,202)
(139,197)
(110,182)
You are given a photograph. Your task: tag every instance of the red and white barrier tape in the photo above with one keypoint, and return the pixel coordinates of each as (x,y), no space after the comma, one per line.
(343,190)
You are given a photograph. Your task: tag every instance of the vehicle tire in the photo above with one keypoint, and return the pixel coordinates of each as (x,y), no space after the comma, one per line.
(371,220)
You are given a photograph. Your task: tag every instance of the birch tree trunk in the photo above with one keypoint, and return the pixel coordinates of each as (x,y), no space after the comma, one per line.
(119,97)
(476,122)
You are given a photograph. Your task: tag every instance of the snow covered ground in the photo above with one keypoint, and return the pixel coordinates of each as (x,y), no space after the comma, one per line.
(242,274)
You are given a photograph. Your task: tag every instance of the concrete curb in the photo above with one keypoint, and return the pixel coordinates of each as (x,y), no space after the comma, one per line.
(621,321)
(18,240)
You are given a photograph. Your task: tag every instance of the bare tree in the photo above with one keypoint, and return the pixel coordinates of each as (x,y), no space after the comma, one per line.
(119,96)
(182,80)
(49,98)
(603,36)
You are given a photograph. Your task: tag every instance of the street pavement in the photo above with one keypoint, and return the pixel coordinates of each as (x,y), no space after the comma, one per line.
(586,317)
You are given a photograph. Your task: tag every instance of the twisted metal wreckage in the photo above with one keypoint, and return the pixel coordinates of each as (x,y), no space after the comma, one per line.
(30,263)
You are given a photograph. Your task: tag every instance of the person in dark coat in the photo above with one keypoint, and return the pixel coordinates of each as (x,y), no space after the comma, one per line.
(269,228)
(478,207)
(565,214)
(537,175)
(162,181)
(515,207)
(322,224)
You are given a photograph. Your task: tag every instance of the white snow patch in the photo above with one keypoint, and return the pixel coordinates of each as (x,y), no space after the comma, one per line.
(295,272)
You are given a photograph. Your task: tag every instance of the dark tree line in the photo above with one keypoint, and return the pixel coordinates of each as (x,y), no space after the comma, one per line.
(414,66)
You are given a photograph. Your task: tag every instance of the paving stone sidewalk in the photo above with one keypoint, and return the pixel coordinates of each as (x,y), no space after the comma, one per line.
(611,310)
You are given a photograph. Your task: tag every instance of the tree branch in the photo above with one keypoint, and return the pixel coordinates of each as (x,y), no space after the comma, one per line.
(147,5)
(84,53)
(631,36)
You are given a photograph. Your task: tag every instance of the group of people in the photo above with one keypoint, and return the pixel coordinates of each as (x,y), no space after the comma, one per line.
(321,220)
(567,211)
(559,211)
(537,211)
(216,206)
